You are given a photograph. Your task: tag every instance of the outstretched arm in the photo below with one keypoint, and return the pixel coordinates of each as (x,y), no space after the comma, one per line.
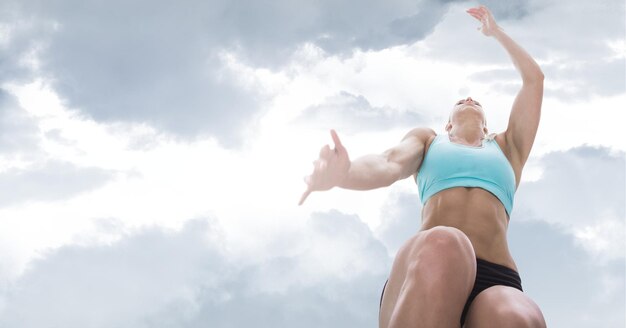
(334,169)
(526,110)
(382,170)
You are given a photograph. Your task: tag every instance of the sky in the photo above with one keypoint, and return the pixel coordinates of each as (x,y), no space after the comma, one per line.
(152,155)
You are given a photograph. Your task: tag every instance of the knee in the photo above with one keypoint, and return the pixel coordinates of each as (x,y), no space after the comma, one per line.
(447,243)
(442,252)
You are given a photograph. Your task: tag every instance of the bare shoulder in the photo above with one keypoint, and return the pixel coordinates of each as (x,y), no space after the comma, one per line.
(418,141)
(420,134)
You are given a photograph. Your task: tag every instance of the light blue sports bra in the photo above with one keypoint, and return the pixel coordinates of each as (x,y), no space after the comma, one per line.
(448,164)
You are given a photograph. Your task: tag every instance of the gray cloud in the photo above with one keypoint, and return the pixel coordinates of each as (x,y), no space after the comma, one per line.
(580,186)
(186,279)
(51,180)
(596,77)
(18,132)
(351,113)
(43,180)
(457,41)
(160,64)
(19,38)
(532,24)
(510,10)
(331,302)
(568,82)
(402,219)
(265,29)
(574,56)
(569,286)
(111,286)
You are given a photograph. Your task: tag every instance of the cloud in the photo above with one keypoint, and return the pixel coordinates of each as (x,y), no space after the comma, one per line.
(567,233)
(18,132)
(169,66)
(263,30)
(402,220)
(164,65)
(331,275)
(572,289)
(578,59)
(567,81)
(532,25)
(597,77)
(582,189)
(48,181)
(109,286)
(19,43)
(353,113)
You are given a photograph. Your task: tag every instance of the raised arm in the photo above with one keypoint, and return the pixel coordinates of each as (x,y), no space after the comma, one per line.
(526,111)
(334,168)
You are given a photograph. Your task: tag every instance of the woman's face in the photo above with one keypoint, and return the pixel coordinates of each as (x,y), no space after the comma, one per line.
(468,106)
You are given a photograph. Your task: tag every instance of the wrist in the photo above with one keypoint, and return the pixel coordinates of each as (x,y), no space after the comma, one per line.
(498,32)
(344,179)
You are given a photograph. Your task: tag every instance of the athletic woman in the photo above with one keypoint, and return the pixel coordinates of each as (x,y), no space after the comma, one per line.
(456,271)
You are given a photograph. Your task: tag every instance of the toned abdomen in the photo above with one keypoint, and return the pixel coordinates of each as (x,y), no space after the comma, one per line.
(476,212)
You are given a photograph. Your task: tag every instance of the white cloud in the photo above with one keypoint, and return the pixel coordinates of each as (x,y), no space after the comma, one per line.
(569,285)
(155,178)
(350,113)
(332,270)
(163,66)
(18,133)
(604,240)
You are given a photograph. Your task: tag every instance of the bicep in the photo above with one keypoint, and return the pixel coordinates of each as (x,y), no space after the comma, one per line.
(524,120)
(406,157)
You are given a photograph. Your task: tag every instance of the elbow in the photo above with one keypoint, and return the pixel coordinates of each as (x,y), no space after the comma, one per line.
(540,76)
(535,78)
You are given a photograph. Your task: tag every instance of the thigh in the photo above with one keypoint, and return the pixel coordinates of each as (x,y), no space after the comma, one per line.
(447,246)
(503,306)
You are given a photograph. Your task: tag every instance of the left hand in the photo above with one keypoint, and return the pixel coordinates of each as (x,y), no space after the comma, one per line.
(483,14)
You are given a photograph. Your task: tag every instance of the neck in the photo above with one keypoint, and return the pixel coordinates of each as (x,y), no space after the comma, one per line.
(468,134)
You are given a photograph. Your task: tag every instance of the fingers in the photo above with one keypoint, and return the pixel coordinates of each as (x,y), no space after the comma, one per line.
(321,164)
(307,180)
(483,14)
(475,13)
(480,8)
(325,152)
(304,196)
(480,12)
(338,144)
(318,165)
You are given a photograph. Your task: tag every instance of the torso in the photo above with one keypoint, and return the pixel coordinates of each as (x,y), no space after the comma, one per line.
(476,212)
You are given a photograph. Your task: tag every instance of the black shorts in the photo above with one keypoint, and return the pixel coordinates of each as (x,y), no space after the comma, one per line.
(488,274)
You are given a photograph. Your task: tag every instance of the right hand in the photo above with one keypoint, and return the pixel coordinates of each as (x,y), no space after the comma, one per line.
(483,14)
(329,169)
